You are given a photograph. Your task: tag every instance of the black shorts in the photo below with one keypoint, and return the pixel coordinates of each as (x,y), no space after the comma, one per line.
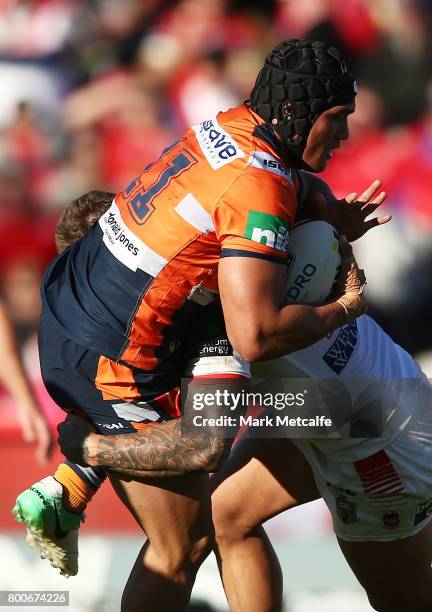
(70,371)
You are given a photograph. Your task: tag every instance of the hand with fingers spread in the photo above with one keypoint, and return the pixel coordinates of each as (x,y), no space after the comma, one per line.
(352,281)
(349,215)
(359,207)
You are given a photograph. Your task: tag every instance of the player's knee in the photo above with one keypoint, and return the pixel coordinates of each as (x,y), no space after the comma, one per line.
(181,562)
(230,525)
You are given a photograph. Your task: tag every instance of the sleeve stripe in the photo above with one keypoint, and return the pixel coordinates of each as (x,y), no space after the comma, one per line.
(239,253)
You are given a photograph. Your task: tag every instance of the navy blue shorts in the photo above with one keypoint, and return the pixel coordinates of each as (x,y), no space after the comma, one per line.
(69,373)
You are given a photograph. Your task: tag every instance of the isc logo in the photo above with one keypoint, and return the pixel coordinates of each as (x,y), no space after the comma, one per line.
(260,159)
(275,165)
(301,280)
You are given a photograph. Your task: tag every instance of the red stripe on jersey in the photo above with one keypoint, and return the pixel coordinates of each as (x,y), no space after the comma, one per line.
(378,475)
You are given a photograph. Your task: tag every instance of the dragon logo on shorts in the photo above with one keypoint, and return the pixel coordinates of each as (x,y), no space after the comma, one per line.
(391,519)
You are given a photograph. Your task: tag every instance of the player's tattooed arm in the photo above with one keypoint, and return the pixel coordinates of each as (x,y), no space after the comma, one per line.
(159,451)
(172,448)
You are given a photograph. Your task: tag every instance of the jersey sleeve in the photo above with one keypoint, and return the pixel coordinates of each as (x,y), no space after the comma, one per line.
(254,216)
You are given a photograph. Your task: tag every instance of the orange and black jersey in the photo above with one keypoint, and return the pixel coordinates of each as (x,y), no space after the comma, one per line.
(134,286)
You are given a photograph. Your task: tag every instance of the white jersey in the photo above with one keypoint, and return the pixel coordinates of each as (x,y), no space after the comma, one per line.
(378,374)
(375,381)
(358,350)
(377,488)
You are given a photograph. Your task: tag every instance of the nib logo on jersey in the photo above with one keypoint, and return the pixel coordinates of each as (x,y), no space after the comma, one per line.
(267,229)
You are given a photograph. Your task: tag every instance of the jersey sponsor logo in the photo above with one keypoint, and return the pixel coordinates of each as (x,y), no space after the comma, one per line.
(260,159)
(122,243)
(391,519)
(346,510)
(126,247)
(423,510)
(111,425)
(215,347)
(40,495)
(340,489)
(267,229)
(342,348)
(217,145)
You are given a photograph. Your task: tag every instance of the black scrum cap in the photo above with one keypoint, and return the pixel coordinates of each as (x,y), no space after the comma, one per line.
(299,81)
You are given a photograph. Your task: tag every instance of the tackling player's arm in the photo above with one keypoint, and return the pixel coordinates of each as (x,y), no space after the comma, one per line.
(159,451)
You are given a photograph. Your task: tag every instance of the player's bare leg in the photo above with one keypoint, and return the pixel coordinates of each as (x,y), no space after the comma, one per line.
(175,514)
(274,476)
(397,575)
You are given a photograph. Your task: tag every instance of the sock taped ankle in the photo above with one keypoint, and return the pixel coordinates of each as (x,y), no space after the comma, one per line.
(76,492)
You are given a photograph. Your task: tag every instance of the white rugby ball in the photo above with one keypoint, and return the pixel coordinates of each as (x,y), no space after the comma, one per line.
(313,263)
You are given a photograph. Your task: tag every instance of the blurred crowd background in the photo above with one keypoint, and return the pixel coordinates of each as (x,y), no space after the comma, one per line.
(93,90)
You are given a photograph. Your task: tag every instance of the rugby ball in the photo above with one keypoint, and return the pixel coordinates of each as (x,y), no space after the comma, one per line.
(314,261)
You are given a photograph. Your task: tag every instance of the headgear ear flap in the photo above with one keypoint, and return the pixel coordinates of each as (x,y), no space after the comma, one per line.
(299,81)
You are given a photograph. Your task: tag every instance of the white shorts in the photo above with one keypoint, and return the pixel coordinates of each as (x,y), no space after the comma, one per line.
(385,496)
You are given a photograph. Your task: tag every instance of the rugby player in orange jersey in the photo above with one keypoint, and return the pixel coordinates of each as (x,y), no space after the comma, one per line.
(118,302)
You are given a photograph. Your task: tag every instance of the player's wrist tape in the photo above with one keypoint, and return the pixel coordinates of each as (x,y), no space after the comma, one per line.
(353,304)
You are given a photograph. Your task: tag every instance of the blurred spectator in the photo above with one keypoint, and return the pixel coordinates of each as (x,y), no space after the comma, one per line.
(21,296)
(25,143)
(399,266)
(371,151)
(35,28)
(122,118)
(13,377)
(203,91)
(37,86)
(387,43)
